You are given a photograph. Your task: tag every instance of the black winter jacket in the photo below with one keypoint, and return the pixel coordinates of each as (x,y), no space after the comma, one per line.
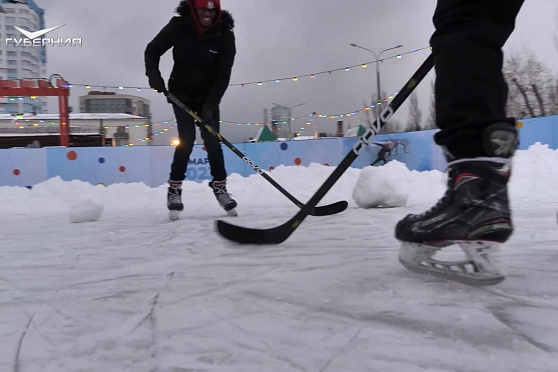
(202,64)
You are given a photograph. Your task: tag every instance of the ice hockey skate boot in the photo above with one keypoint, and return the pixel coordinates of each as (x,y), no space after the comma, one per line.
(174,199)
(223,197)
(474,213)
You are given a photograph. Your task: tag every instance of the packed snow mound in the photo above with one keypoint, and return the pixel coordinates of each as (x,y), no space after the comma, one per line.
(85,211)
(385,186)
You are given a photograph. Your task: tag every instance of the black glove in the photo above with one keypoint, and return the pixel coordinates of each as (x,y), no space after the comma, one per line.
(156,82)
(207,113)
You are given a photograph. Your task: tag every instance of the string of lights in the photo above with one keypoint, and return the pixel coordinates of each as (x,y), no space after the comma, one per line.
(308,117)
(19,121)
(348,68)
(261,82)
(311,115)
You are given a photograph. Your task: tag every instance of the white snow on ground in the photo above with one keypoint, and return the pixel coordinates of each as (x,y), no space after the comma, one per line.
(132,291)
(85,211)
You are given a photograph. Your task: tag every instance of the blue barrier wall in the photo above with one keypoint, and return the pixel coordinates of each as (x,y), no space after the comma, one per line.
(150,164)
(543,130)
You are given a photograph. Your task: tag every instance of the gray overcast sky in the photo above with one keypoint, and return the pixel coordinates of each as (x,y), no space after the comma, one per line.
(275,39)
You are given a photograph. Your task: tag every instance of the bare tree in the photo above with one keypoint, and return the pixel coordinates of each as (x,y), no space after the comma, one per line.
(431,120)
(415,114)
(530,86)
(553,98)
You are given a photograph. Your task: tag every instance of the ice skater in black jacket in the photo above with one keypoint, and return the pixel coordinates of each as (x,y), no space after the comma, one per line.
(204,48)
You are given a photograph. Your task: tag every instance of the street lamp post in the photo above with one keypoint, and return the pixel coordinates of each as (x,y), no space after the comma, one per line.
(290,115)
(377,56)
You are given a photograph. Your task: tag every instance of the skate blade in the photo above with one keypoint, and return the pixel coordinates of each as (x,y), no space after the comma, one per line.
(473,282)
(417,258)
(232,212)
(174,215)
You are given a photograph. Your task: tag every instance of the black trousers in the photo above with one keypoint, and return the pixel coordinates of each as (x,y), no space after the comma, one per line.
(470,89)
(187,136)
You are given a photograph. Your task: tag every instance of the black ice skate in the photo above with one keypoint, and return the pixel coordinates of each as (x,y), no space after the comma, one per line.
(174,202)
(223,197)
(474,214)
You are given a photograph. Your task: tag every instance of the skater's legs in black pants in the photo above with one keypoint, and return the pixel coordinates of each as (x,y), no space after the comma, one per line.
(187,137)
(214,150)
(470,89)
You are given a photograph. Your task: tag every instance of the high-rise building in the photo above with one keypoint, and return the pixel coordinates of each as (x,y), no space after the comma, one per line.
(19,61)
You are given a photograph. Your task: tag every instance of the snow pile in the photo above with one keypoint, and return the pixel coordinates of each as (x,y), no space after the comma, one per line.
(534,174)
(386,186)
(85,211)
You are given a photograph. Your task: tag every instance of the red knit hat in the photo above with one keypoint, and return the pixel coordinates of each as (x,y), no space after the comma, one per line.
(210,4)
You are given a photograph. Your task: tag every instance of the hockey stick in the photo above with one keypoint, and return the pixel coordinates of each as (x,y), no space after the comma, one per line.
(279,234)
(324,210)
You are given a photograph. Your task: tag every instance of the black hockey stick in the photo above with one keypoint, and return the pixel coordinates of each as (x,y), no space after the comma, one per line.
(279,234)
(324,210)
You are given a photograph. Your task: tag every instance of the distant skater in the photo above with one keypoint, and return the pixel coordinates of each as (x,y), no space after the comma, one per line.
(384,153)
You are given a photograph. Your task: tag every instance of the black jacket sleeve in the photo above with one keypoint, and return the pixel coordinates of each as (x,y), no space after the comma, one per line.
(224,70)
(159,45)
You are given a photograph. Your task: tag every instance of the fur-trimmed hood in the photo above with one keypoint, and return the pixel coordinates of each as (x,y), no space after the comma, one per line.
(184,10)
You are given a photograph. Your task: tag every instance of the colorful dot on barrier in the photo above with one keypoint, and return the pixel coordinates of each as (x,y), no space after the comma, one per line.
(298,161)
(101,160)
(326,164)
(101,184)
(519,125)
(284,146)
(122,168)
(16,172)
(271,168)
(71,155)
